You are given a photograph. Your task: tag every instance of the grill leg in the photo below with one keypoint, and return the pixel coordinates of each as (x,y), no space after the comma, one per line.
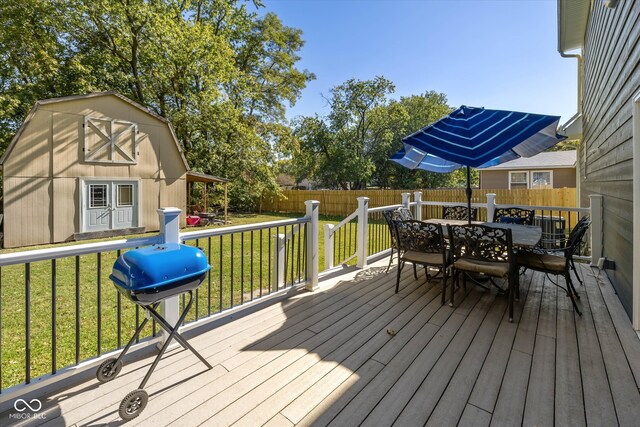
(173,333)
(132,340)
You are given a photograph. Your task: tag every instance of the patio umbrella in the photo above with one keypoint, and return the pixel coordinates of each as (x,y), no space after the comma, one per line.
(477,137)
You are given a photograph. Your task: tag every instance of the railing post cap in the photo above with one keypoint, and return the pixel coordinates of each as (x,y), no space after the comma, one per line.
(169,211)
(312,202)
(363,198)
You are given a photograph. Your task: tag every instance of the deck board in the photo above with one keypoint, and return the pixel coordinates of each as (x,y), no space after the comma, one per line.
(358,353)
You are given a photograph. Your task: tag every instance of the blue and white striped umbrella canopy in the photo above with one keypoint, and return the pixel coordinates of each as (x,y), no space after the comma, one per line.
(478,138)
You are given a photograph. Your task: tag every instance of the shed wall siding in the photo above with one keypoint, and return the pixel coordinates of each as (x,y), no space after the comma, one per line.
(611,78)
(41,190)
(26,211)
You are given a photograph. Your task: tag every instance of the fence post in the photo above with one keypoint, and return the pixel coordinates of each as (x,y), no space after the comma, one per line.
(363,231)
(169,233)
(328,246)
(278,260)
(596,227)
(406,199)
(417,197)
(491,206)
(313,208)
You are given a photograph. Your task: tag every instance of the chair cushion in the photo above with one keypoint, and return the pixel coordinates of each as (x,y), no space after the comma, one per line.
(544,262)
(423,257)
(495,269)
(503,219)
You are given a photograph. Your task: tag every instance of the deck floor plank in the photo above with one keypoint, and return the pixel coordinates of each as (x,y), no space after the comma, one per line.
(624,389)
(569,403)
(327,358)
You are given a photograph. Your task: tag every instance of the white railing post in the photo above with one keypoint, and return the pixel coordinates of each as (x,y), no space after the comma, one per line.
(491,206)
(328,246)
(596,227)
(406,199)
(417,197)
(169,233)
(313,208)
(363,231)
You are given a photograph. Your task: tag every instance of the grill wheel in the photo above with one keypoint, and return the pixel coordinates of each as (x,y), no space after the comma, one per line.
(133,404)
(107,371)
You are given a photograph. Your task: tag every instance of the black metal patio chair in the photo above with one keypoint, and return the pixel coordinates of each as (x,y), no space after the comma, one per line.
(486,250)
(549,262)
(402,214)
(422,243)
(459,212)
(514,216)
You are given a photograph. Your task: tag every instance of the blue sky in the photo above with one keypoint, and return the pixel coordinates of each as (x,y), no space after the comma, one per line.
(493,54)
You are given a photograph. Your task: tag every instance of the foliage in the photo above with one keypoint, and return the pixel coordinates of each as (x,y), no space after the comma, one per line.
(566,145)
(220,73)
(351,147)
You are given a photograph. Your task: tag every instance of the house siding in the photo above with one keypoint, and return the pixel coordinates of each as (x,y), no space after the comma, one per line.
(499,179)
(43,170)
(611,78)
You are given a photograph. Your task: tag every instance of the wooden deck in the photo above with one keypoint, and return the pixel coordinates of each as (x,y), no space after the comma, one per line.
(358,354)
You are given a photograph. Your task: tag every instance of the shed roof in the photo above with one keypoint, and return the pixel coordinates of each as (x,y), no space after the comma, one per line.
(134,104)
(203,177)
(544,160)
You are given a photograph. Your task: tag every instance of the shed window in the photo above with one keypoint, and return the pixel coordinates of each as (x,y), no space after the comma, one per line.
(518,180)
(541,179)
(125,195)
(98,197)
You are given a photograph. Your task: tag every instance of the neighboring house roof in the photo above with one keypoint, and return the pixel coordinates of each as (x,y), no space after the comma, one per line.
(134,104)
(544,160)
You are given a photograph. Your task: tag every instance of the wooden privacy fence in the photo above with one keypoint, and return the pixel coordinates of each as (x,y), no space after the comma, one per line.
(344,202)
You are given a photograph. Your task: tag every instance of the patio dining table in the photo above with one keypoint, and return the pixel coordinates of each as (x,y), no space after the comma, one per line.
(523,236)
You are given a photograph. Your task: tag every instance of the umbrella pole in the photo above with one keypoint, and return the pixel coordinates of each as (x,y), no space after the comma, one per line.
(469,193)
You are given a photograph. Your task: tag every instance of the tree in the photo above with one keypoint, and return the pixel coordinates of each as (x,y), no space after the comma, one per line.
(220,73)
(338,149)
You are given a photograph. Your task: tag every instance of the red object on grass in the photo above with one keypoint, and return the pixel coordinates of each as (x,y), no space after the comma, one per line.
(193,220)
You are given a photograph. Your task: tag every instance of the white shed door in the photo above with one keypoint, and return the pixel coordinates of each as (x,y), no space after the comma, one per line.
(109,205)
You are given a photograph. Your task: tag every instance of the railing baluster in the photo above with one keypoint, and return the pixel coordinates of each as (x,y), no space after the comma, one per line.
(251,263)
(220,270)
(269,258)
(53,316)
(77,310)
(27,329)
(99,302)
(197,295)
(260,262)
(241,268)
(231,274)
(209,277)
(119,312)
(299,234)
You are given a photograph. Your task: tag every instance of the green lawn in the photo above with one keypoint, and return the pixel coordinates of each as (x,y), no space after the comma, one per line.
(240,272)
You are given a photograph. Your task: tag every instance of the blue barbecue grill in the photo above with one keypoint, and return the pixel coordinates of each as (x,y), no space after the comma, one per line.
(147,276)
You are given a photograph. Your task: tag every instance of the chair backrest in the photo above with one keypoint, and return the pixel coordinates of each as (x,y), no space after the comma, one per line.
(401,214)
(575,238)
(481,242)
(420,236)
(459,212)
(514,216)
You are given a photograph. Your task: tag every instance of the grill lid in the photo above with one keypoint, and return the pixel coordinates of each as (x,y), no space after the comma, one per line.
(158,265)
